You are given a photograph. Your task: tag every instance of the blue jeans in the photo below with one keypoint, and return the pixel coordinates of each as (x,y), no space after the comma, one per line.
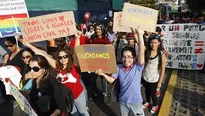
(136,108)
(79,106)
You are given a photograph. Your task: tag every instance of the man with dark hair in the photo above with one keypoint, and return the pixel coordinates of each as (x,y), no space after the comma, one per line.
(200,19)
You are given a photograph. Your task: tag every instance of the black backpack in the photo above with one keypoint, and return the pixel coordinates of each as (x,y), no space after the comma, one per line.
(69,99)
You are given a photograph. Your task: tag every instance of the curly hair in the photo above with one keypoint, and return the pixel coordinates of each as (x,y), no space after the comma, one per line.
(59,67)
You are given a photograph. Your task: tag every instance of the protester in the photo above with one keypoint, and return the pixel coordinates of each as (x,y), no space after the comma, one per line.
(200,19)
(90,31)
(26,82)
(153,74)
(99,37)
(129,76)
(14,59)
(119,42)
(46,95)
(69,72)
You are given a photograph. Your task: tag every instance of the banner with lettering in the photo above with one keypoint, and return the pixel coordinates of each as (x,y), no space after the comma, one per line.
(48,27)
(95,56)
(11,11)
(185,44)
(22,101)
(139,16)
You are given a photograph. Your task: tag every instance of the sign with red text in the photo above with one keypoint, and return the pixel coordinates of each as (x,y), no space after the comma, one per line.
(117,21)
(95,56)
(48,27)
(185,44)
(139,16)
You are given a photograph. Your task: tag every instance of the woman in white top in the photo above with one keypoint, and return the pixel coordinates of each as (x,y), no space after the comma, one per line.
(153,73)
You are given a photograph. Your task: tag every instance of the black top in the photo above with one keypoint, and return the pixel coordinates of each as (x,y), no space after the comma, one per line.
(17,61)
(48,97)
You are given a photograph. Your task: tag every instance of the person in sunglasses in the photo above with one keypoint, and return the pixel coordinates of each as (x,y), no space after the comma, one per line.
(68,70)
(46,95)
(153,73)
(90,32)
(14,59)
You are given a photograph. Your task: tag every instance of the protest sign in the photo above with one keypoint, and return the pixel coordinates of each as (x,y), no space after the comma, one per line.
(12,73)
(22,101)
(139,16)
(185,45)
(48,27)
(95,56)
(117,21)
(11,11)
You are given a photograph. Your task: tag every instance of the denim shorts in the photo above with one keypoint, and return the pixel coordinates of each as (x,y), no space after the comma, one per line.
(135,108)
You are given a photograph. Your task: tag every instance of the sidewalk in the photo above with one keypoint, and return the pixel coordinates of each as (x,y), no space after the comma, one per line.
(97,107)
(188,98)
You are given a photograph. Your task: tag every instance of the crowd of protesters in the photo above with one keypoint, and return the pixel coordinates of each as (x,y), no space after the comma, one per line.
(140,58)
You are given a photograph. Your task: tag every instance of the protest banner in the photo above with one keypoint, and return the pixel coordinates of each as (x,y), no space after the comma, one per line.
(95,56)
(11,11)
(116,23)
(139,16)
(22,101)
(48,27)
(185,45)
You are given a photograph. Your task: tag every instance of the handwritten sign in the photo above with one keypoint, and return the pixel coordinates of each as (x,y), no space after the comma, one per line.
(48,27)
(95,56)
(117,21)
(185,45)
(11,11)
(22,101)
(139,16)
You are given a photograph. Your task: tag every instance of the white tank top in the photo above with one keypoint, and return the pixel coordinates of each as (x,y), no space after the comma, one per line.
(151,72)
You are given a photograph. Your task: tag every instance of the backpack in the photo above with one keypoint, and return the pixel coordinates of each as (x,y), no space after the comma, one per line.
(69,99)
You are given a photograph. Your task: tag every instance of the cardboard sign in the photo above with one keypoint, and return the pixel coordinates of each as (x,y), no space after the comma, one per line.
(117,21)
(48,27)
(95,56)
(139,16)
(185,44)
(22,101)
(11,11)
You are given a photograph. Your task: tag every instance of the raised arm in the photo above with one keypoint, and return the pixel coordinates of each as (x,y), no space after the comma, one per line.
(138,35)
(51,61)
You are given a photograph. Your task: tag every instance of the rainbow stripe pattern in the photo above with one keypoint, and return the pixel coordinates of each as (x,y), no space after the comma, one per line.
(9,24)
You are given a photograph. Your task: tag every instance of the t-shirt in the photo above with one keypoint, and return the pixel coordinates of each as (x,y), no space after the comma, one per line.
(151,72)
(72,80)
(83,40)
(89,34)
(130,83)
(111,36)
(100,41)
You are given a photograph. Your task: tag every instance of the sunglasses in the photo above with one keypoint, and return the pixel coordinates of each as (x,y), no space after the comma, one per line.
(26,57)
(35,69)
(91,28)
(9,46)
(155,37)
(62,57)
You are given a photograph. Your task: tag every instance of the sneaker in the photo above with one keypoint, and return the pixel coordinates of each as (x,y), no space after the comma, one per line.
(157,92)
(154,109)
(146,105)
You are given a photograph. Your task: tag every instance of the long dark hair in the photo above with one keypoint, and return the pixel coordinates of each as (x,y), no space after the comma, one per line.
(69,51)
(12,40)
(43,63)
(149,49)
(104,34)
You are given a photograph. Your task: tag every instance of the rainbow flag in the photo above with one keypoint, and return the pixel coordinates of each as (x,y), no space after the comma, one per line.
(9,24)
